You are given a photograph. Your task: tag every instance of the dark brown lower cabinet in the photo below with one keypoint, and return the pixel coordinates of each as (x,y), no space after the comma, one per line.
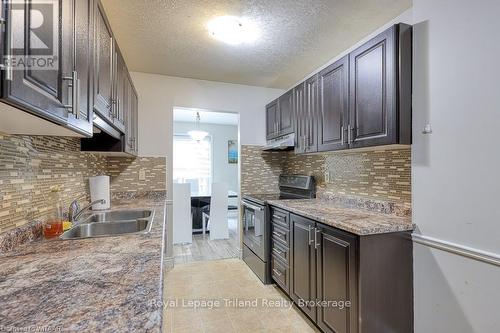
(347,283)
(336,280)
(303,257)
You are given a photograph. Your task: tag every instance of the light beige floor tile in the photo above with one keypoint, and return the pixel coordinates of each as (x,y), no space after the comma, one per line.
(230,279)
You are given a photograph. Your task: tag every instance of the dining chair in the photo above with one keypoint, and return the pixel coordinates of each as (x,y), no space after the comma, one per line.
(183,218)
(216,217)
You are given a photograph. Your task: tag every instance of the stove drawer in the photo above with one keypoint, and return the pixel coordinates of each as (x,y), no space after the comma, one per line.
(280,273)
(280,251)
(280,234)
(280,217)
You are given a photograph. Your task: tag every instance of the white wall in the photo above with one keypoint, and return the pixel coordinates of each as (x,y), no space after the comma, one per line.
(455,170)
(222,171)
(158,95)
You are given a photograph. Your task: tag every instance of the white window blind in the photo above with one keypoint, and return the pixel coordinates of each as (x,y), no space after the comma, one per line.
(193,163)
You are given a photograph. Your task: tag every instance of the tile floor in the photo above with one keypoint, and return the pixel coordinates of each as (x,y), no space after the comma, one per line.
(202,248)
(220,280)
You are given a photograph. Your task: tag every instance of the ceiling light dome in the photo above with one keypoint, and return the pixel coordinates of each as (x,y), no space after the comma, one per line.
(197,134)
(233,30)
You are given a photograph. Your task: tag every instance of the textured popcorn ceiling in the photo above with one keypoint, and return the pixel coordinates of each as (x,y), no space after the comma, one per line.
(169,36)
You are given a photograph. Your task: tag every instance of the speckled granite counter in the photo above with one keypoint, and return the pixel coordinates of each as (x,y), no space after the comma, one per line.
(92,285)
(357,221)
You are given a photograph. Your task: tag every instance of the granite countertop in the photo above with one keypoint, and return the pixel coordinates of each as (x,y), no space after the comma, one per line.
(105,284)
(357,221)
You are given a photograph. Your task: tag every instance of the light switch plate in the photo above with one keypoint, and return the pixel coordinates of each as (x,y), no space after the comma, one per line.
(142,174)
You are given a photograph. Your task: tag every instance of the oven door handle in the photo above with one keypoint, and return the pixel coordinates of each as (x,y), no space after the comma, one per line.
(257,208)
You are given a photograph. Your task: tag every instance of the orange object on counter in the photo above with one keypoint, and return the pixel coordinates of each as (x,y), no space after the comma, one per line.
(53,228)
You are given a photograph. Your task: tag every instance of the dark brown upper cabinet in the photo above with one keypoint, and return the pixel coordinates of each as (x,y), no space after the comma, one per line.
(303,263)
(310,139)
(82,25)
(333,115)
(285,113)
(120,80)
(279,116)
(131,117)
(361,100)
(299,103)
(56,88)
(103,65)
(380,90)
(272,129)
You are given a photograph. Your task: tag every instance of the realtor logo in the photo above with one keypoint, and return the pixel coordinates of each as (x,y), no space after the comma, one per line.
(38,50)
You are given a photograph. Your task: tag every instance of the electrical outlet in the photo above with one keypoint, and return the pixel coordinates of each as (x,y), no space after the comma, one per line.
(327,177)
(142,174)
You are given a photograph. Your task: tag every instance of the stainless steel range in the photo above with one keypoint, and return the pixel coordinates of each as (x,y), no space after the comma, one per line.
(256,224)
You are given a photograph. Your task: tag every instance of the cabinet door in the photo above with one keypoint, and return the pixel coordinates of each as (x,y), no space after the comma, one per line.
(272,120)
(120,83)
(333,106)
(373,84)
(285,114)
(103,65)
(39,45)
(130,106)
(81,15)
(299,102)
(310,115)
(303,264)
(336,279)
(135,121)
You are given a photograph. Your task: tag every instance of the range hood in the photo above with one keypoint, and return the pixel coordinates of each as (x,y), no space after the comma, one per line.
(286,142)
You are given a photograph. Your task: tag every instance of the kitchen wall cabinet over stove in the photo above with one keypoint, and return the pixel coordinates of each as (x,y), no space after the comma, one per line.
(361,100)
(279,116)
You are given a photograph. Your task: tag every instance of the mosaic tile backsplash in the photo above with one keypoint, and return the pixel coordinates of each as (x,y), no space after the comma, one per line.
(377,174)
(260,170)
(124,173)
(30,165)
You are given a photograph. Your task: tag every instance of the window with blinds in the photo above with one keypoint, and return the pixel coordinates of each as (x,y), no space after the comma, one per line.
(193,163)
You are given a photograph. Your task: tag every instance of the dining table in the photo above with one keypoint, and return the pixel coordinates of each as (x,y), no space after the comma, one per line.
(199,202)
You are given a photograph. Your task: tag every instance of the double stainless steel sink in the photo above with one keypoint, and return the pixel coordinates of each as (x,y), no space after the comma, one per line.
(111,223)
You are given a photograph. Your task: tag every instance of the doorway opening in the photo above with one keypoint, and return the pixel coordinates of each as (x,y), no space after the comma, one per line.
(206,185)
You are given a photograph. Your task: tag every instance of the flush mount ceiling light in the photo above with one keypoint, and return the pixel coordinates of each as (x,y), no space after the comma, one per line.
(233,30)
(197,135)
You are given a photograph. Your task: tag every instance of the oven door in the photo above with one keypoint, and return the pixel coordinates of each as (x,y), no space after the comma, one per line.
(254,228)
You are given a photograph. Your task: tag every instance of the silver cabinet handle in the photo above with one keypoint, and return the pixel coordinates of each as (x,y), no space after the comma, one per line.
(75,92)
(246,204)
(278,273)
(350,129)
(277,217)
(316,242)
(342,134)
(311,241)
(278,252)
(278,234)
